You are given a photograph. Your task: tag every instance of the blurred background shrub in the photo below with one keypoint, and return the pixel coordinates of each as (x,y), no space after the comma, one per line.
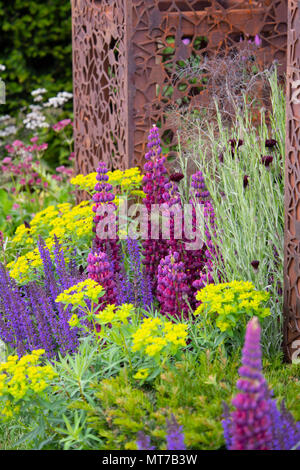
(36,48)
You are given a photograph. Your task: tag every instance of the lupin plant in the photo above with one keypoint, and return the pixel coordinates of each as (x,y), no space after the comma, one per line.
(172,204)
(256,423)
(208,250)
(155,171)
(199,187)
(104,204)
(199,261)
(154,187)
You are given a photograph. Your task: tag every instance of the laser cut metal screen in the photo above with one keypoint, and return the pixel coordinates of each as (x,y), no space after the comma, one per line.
(125,54)
(100,83)
(292,187)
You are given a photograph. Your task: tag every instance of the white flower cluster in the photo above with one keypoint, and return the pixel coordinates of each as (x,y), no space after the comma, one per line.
(58,100)
(9,130)
(2,68)
(38,94)
(35,119)
(6,117)
(39,91)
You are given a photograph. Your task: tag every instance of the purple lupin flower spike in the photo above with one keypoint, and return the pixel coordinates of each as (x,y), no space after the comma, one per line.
(257,423)
(199,187)
(251,421)
(208,252)
(199,261)
(103,199)
(155,171)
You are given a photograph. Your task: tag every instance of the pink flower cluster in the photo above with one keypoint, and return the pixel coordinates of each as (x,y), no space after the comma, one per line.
(23,172)
(63,173)
(60,125)
(18,147)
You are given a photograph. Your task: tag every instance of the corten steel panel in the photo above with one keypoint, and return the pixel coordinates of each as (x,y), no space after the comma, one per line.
(292,187)
(100,84)
(142,87)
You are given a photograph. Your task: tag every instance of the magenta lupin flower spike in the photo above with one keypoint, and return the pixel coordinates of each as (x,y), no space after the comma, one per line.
(103,199)
(154,187)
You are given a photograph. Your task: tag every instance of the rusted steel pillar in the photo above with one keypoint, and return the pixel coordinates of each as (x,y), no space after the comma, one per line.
(292,188)
(100,83)
(126,59)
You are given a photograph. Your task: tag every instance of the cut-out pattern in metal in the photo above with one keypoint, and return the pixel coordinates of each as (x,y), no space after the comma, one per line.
(100,83)
(125,54)
(292,188)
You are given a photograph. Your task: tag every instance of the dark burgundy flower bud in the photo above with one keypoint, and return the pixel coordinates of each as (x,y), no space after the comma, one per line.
(255,264)
(246,181)
(236,143)
(176,177)
(270,143)
(267,160)
(81,269)
(279,288)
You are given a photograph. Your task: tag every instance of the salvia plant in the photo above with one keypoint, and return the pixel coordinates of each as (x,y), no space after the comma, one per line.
(174,437)
(30,319)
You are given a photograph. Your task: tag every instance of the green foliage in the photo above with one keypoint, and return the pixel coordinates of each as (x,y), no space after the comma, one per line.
(10,435)
(192,390)
(6,203)
(94,403)
(35,47)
